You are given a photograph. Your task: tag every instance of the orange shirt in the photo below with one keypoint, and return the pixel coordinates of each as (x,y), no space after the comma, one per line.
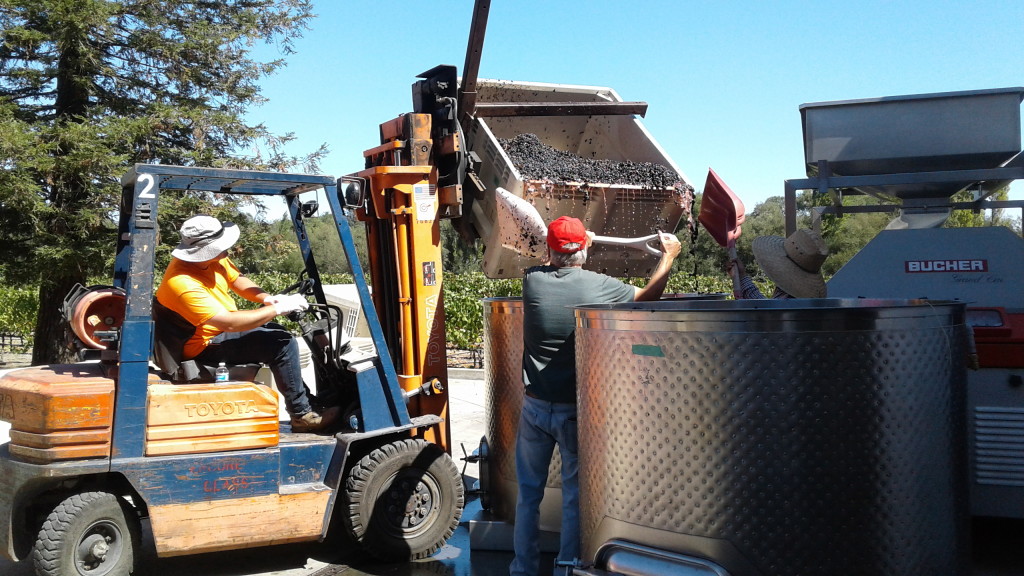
(199,294)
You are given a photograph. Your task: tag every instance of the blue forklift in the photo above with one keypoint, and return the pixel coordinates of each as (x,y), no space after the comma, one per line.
(98,446)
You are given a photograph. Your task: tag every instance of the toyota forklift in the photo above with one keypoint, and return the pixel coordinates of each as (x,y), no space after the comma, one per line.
(98,446)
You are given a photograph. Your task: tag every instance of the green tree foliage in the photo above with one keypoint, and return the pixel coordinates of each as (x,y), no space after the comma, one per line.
(763,219)
(89,87)
(969,219)
(323,237)
(463,308)
(847,234)
(701,254)
(457,256)
(18,307)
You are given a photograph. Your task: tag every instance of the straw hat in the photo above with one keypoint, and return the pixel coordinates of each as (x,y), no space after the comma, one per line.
(204,237)
(793,263)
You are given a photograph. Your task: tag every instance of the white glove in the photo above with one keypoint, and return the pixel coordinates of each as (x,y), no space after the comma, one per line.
(288,303)
(273,299)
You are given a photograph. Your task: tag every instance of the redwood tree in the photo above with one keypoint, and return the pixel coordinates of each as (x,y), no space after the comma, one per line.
(90,87)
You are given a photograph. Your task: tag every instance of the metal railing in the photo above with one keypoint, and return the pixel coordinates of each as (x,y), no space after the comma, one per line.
(11,342)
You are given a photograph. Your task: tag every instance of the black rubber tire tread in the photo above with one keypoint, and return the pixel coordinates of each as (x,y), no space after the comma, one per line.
(366,482)
(55,547)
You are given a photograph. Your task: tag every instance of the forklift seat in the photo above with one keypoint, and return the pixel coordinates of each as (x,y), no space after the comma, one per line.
(170,333)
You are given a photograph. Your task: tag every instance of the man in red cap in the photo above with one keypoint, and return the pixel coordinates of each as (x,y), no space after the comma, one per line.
(549,374)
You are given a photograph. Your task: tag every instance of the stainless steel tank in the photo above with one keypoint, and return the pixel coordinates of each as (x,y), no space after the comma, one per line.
(776,437)
(503,386)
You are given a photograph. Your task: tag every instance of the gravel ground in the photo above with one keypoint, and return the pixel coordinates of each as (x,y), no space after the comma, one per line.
(12,360)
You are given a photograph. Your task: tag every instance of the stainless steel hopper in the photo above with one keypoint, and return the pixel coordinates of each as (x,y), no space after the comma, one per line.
(946,131)
(912,152)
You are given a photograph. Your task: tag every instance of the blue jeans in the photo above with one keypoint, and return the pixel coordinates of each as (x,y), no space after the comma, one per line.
(271,344)
(542,425)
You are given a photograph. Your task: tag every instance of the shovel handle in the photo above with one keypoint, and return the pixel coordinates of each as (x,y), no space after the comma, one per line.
(737,291)
(641,243)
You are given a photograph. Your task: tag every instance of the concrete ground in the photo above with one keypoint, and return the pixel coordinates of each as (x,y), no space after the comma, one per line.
(998,545)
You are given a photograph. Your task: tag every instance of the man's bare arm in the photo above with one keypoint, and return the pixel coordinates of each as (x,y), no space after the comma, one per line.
(241,320)
(656,285)
(249,290)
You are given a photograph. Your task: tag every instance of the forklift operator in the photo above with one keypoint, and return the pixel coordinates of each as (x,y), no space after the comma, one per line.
(197,286)
(549,375)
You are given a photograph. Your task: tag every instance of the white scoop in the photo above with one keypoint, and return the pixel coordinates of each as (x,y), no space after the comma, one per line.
(522,229)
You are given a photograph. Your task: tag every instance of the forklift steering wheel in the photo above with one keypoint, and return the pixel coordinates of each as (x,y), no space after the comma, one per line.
(302,286)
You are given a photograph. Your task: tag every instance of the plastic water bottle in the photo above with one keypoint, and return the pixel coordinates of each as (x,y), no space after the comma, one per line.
(222,373)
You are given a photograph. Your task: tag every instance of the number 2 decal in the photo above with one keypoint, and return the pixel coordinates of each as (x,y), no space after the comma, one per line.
(147,190)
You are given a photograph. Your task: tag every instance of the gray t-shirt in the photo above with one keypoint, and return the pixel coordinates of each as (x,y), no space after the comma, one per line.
(549,325)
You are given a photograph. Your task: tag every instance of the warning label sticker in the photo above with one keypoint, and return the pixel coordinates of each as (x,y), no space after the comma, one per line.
(425,198)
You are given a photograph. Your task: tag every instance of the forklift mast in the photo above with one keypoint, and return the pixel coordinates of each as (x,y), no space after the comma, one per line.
(414,180)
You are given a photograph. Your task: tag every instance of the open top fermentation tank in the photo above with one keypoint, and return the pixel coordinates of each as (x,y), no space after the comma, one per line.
(503,387)
(773,437)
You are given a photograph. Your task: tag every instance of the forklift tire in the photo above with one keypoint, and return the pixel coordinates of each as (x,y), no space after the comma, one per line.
(404,500)
(88,534)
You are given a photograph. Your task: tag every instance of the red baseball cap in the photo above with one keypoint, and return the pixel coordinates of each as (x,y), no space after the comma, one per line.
(564,231)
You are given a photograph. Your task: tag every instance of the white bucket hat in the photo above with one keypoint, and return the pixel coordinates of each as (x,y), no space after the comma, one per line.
(205,237)
(793,263)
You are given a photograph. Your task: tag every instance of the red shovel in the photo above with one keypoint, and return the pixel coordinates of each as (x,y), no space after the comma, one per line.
(721,214)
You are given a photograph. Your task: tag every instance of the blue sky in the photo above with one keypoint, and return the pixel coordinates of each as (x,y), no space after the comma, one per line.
(723,79)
